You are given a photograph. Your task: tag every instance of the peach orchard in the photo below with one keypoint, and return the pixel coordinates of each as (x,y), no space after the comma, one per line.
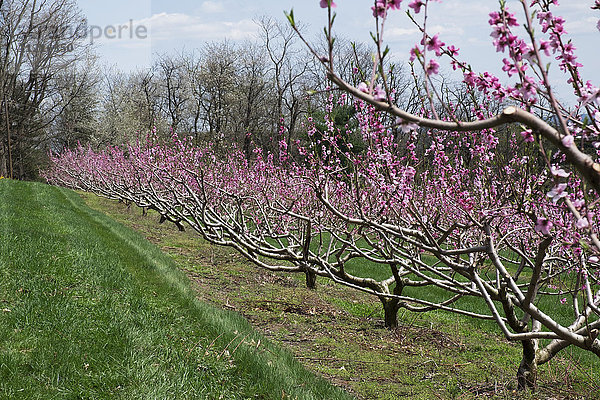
(501,207)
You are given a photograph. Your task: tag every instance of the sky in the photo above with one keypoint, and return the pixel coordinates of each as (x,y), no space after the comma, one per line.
(174,26)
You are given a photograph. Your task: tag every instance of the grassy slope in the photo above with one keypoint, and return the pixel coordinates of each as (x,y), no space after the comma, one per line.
(90,309)
(338,332)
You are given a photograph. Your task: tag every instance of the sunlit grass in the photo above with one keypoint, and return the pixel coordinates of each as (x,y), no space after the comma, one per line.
(430,355)
(90,309)
(562,313)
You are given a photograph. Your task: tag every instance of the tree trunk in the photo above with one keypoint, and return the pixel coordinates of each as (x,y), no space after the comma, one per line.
(21,164)
(179,226)
(3,169)
(248,144)
(9,147)
(527,373)
(390,309)
(391,306)
(311,279)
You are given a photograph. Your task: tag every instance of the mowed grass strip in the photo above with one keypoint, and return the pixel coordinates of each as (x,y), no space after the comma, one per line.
(90,309)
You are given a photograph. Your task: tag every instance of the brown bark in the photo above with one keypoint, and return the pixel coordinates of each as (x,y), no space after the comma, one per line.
(311,279)
(9,148)
(390,310)
(527,372)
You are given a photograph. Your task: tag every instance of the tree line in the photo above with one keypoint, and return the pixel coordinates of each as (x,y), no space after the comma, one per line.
(55,93)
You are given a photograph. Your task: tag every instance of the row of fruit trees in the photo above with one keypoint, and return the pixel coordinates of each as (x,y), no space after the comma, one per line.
(501,208)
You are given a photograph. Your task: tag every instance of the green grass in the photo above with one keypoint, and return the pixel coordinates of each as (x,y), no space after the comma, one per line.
(90,309)
(338,332)
(550,305)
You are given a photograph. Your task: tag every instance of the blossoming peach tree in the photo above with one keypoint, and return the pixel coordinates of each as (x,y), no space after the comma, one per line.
(480,213)
(492,217)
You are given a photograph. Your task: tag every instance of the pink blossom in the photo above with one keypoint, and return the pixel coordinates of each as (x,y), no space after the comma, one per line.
(414,52)
(416,5)
(589,93)
(568,140)
(559,172)
(563,300)
(379,8)
(582,223)
(363,87)
(543,226)
(528,89)
(557,192)
(545,46)
(497,19)
(470,78)
(406,126)
(453,50)
(434,44)
(509,67)
(379,93)
(394,4)
(528,135)
(325,3)
(578,203)
(432,67)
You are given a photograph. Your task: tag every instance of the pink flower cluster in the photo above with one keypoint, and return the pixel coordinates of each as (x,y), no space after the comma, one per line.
(554,25)
(416,5)
(519,52)
(327,3)
(381,6)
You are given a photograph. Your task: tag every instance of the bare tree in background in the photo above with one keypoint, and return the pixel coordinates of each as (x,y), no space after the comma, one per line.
(218,80)
(289,71)
(79,99)
(253,96)
(173,89)
(40,40)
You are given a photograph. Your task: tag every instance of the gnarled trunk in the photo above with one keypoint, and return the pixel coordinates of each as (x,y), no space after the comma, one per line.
(390,309)
(527,373)
(311,279)
(391,305)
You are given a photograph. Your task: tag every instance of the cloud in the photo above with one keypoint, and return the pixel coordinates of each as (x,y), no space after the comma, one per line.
(582,26)
(212,7)
(466,10)
(396,33)
(177,26)
(131,44)
(448,30)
